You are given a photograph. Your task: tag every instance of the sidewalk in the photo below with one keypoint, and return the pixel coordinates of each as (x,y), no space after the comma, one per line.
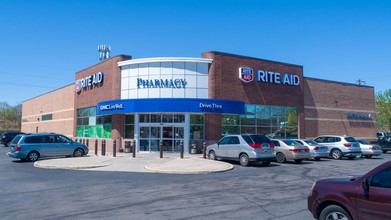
(144,162)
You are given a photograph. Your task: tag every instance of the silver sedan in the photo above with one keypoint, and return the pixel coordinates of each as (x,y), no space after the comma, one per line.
(368,150)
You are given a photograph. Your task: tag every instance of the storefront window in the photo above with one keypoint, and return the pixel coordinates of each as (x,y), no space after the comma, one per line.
(129,126)
(88,124)
(197,127)
(274,121)
(230,120)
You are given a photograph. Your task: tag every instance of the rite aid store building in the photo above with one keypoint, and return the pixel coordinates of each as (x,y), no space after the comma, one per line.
(174,99)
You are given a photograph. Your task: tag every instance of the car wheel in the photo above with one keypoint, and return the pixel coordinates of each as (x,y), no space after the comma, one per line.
(244,160)
(368,156)
(33,156)
(298,160)
(212,155)
(334,212)
(7,144)
(317,158)
(266,163)
(280,157)
(336,154)
(78,153)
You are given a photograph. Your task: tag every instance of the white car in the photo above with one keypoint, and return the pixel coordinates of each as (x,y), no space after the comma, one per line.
(317,151)
(245,148)
(368,150)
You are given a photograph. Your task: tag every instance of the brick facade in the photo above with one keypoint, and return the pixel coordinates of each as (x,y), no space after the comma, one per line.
(322,105)
(224,83)
(58,103)
(110,89)
(328,102)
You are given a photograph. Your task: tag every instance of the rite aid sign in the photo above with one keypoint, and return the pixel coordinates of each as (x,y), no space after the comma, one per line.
(246,75)
(89,81)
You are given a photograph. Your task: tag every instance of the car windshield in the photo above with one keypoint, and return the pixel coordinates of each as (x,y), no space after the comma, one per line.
(290,142)
(350,139)
(362,142)
(311,142)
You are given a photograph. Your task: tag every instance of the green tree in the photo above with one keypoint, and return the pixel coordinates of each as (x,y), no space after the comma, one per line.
(10,117)
(383,110)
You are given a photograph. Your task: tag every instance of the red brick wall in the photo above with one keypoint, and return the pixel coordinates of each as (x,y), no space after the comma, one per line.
(109,90)
(224,83)
(328,102)
(59,103)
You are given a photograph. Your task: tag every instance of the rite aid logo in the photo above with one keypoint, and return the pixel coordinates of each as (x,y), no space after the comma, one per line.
(246,74)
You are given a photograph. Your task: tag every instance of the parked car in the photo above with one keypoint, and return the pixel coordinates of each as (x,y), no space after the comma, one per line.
(317,151)
(385,143)
(243,148)
(382,134)
(340,146)
(7,137)
(290,150)
(368,150)
(33,146)
(365,197)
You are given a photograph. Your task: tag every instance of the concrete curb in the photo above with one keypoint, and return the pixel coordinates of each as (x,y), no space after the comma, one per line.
(69,167)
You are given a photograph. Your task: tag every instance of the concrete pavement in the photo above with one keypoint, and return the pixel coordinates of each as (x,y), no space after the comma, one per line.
(143,162)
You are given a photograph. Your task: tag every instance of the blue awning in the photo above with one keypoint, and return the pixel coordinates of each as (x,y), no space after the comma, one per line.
(122,106)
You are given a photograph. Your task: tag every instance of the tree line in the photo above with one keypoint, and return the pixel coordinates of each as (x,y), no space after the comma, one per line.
(10,117)
(383,110)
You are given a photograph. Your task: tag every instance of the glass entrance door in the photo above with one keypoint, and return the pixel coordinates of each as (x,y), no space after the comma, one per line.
(170,135)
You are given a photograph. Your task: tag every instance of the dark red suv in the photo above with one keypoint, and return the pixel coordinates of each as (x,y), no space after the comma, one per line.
(365,197)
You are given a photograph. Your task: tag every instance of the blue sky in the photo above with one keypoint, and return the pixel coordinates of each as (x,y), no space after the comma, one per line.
(45,42)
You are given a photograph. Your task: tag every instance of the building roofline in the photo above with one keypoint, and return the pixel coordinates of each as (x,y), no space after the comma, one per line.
(248,57)
(345,83)
(120,55)
(165,59)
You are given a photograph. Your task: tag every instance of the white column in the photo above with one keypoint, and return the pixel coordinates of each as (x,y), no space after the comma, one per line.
(136,131)
(187,133)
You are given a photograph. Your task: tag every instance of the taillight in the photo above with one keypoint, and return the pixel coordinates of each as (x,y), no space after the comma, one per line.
(4,136)
(254,145)
(271,144)
(316,148)
(18,148)
(347,144)
(294,150)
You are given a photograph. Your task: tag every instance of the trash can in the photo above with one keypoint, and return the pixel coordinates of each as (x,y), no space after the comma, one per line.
(127,147)
(193,149)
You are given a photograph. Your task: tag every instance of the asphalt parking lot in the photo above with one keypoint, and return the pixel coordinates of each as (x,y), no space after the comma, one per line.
(278,191)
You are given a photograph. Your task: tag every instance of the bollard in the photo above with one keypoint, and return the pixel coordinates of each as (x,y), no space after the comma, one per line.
(133,148)
(87,143)
(161,149)
(181,148)
(204,149)
(96,147)
(76,140)
(103,147)
(114,148)
(84,141)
